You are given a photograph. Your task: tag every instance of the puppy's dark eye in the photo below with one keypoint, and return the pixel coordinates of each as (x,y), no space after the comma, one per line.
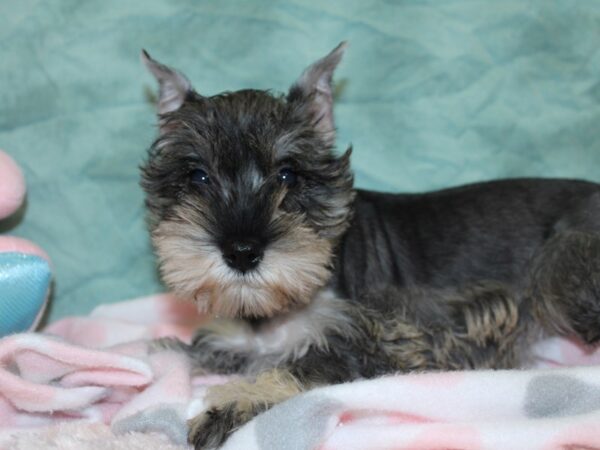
(287,177)
(199,177)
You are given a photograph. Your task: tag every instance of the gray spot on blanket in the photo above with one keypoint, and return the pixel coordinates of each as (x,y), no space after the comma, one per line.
(304,420)
(163,420)
(559,396)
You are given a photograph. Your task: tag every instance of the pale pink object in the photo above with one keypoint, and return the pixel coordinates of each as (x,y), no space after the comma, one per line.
(19,245)
(12,194)
(12,185)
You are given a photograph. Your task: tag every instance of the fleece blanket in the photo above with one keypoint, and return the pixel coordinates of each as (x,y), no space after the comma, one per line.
(430,93)
(99,370)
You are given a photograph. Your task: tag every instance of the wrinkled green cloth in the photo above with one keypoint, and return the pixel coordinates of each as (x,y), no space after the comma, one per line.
(431,94)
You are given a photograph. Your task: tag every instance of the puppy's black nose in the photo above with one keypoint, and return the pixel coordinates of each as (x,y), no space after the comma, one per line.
(242,255)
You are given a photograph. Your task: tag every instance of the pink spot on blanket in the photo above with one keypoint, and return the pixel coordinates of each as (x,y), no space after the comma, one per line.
(560,351)
(180,312)
(24,394)
(384,417)
(446,437)
(579,437)
(80,330)
(172,369)
(106,411)
(445,380)
(8,413)
(175,308)
(38,367)
(575,352)
(135,348)
(105,376)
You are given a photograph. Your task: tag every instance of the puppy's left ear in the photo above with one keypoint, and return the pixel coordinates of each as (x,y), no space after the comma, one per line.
(314,90)
(173,85)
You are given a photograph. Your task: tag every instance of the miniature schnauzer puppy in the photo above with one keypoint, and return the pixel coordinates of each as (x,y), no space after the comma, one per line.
(313,282)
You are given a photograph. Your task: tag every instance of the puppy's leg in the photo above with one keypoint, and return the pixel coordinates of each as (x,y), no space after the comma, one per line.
(235,403)
(222,346)
(481,325)
(583,216)
(492,329)
(565,284)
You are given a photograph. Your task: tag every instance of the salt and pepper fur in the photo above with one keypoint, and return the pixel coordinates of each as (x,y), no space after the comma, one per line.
(352,284)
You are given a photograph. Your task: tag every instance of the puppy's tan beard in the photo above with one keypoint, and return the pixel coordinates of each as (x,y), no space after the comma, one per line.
(292,270)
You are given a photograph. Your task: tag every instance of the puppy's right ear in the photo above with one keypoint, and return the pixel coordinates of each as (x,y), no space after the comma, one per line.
(173,85)
(315,90)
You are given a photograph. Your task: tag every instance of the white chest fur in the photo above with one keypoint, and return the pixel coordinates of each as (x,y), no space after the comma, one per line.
(283,338)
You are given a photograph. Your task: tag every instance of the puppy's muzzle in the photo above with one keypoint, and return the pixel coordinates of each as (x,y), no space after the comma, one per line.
(242,255)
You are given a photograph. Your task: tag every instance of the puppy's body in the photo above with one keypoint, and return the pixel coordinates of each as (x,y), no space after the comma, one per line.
(255,218)
(485,231)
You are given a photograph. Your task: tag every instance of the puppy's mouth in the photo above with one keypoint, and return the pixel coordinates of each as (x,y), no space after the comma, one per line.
(242,279)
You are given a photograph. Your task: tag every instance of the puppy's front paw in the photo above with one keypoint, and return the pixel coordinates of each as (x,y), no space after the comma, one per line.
(211,429)
(237,402)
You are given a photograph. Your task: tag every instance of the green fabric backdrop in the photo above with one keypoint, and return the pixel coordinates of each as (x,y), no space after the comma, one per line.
(433,93)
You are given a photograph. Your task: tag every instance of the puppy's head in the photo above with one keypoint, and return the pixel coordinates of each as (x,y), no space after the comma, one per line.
(246,197)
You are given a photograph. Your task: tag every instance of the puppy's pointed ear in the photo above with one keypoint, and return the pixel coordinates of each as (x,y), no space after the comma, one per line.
(314,90)
(173,85)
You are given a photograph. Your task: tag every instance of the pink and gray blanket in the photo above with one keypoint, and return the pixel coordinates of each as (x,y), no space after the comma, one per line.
(97,369)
